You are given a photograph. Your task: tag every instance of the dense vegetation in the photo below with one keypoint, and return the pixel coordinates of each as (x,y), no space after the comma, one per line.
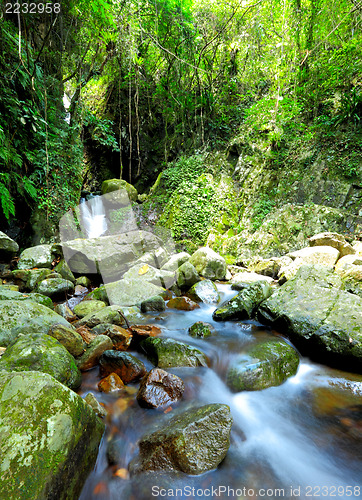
(150,82)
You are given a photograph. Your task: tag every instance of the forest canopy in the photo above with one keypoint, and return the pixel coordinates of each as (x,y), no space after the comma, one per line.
(147,81)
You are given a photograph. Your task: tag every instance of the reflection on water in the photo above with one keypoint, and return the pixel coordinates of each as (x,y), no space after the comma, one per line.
(287,440)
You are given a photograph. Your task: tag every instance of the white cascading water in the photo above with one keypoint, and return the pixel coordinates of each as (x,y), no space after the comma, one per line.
(93,217)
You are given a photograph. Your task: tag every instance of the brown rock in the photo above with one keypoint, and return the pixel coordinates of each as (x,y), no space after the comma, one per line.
(111,383)
(159,388)
(120,337)
(128,367)
(86,334)
(141,332)
(182,303)
(93,352)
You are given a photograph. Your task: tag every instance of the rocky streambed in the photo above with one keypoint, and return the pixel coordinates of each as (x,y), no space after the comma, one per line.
(195,373)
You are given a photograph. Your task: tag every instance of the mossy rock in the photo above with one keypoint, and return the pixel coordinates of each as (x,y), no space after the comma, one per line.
(193,442)
(38,256)
(204,291)
(46,431)
(186,276)
(111,185)
(88,307)
(266,365)
(208,263)
(40,352)
(245,303)
(55,287)
(166,353)
(323,321)
(25,316)
(64,270)
(69,338)
(6,294)
(201,330)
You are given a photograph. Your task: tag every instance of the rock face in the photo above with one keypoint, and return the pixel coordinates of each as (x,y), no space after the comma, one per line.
(46,431)
(40,352)
(159,388)
(38,256)
(8,247)
(26,316)
(268,364)
(208,263)
(323,321)
(165,353)
(193,442)
(128,367)
(205,291)
(111,185)
(334,240)
(109,255)
(245,303)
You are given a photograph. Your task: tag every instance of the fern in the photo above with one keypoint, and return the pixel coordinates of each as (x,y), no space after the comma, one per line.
(7,202)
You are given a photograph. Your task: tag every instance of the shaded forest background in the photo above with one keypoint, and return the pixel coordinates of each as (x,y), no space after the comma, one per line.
(152,83)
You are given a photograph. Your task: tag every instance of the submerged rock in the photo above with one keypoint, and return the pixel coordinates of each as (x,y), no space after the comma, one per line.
(208,263)
(165,353)
(45,429)
(323,321)
(245,303)
(193,442)
(204,291)
(25,316)
(110,383)
(182,303)
(128,367)
(268,364)
(159,388)
(40,352)
(201,329)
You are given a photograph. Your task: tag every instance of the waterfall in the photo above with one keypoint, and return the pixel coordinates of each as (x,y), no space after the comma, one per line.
(93,217)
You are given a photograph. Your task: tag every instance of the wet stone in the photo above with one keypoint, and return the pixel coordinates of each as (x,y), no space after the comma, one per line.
(201,329)
(98,409)
(155,303)
(165,353)
(93,352)
(120,337)
(159,388)
(182,303)
(111,383)
(128,367)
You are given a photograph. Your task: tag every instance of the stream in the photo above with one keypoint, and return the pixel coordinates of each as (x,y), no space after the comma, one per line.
(299,440)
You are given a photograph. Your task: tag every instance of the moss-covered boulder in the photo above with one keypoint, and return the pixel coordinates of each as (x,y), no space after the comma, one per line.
(186,276)
(34,277)
(156,303)
(6,294)
(40,352)
(38,256)
(55,287)
(69,338)
(131,292)
(47,432)
(64,270)
(193,442)
(245,303)
(88,307)
(208,263)
(204,291)
(323,321)
(266,365)
(166,353)
(24,316)
(111,185)
(8,247)
(108,314)
(175,261)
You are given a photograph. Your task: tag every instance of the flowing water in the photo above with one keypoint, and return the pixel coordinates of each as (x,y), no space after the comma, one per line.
(299,440)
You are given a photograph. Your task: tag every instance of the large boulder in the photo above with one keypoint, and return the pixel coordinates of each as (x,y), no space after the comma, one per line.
(8,247)
(334,240)
(175,261)
(245,303)
(40,352)
(193,442)
(38,256)
(88,307)
(208,263)
(186,276)
(131,292)
(268,364)
(24,316)
(321,255)
(55,287)
(47,432)
(111,185)
(242,279)
(323,321)
(111,255)
(166,353)
(6,294)
(144,272)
